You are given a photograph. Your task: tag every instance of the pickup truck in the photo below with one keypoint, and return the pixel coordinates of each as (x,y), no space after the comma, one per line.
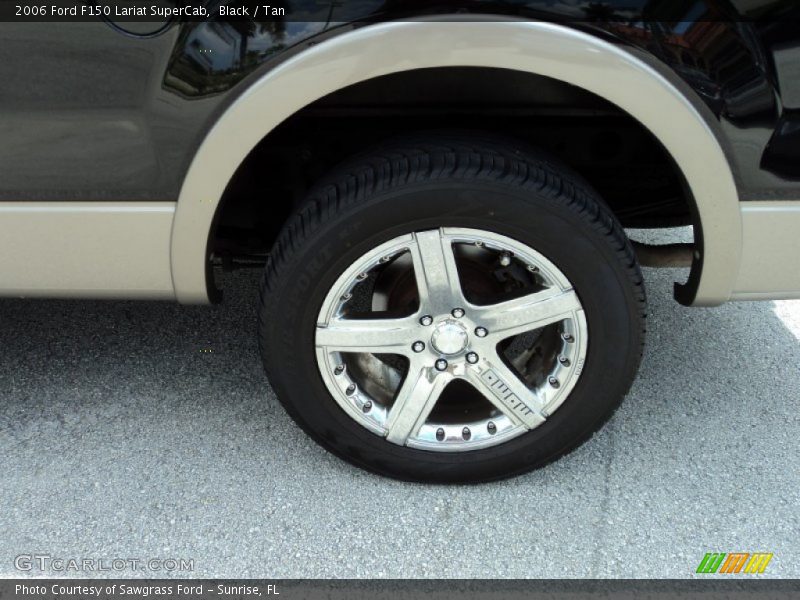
(437,193)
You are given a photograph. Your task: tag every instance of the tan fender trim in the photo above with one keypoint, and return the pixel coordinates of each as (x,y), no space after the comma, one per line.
(541,48)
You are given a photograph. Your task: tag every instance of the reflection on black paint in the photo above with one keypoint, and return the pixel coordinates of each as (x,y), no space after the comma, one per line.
(213,56)
(720,48)
(714,59)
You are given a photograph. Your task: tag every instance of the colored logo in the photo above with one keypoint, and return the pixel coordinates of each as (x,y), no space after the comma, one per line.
(734,562)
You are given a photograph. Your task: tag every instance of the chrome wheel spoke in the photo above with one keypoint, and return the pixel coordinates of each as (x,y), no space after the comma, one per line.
(388,336)
(414,402)
(392,375)
(435,272)
(503,388)
(510,318)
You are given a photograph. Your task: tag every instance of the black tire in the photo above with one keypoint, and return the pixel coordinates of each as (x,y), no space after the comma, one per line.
(452,181)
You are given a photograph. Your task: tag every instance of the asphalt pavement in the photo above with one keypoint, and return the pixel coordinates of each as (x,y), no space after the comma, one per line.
(140,430)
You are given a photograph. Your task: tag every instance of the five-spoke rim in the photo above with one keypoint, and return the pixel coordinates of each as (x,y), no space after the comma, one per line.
(388,371)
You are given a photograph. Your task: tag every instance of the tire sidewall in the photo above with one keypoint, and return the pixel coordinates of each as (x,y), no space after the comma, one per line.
(574,243)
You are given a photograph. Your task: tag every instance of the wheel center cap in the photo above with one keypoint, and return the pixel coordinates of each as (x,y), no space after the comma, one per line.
(449,338)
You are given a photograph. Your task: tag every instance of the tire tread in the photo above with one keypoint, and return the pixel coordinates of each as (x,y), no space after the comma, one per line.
(423,159)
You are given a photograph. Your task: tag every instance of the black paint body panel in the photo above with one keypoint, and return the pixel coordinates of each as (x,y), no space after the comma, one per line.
(87,113)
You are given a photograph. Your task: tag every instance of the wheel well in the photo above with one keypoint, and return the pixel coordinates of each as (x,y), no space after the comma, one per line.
(619,157)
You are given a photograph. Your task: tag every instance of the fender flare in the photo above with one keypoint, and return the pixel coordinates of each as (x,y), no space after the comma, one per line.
(546,49)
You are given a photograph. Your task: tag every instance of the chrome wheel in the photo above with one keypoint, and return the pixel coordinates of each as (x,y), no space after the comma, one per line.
(451,339)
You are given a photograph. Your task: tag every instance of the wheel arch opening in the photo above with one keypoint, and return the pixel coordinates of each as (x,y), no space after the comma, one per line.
(628,166)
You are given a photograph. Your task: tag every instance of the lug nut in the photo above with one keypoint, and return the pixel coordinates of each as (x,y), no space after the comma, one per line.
(338,370)
(457,313)
(385,259)
(346,297)
(367,406)
(440,434)
(426,320)
(505,259)
(441,364)
(564,361)
(418,346)
(533,269)
(362,276)
(472,358)
(481,331)
(554,382)
(466,433)
(568,337)
(491,427)
(351,389)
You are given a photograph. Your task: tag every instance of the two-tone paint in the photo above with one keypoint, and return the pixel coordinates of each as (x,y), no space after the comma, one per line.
(104,127)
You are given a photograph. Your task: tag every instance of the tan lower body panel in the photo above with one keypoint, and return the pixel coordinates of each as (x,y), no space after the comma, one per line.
(86,249)
(770,263)
(122,250)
